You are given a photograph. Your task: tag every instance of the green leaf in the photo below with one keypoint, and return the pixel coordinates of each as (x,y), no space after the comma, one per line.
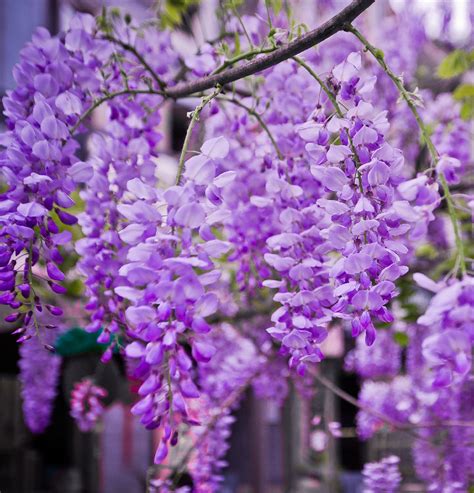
(464,91)
(174,11)
(236,44)
(75,288)
(427,250)
(465,94)
(276,5)
(401,338)
(467,110)
(456,63)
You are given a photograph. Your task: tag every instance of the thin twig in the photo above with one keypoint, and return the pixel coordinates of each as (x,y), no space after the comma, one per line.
(298,45)
(248,55)
(379,57)
(252,112)
(194,118)
(383,417)
(140,58)
(108,97)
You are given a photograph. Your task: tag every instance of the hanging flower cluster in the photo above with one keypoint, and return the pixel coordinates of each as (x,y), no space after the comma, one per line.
(382,476)
(39,375)
(308,202)
(364,175)
(168,274)
(86,404)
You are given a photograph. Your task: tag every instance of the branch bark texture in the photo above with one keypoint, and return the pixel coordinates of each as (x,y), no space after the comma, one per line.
(337,23)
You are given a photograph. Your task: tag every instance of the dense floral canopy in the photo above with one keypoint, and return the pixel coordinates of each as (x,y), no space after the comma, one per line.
(325,192)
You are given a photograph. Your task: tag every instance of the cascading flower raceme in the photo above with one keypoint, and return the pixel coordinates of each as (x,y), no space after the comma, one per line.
(449,335)
(363,174)
(125,149)
(39,166)
(437,388)
(382,476)
(169,274)
(39,376)
(126,152)
(308,202)
(451,137)
(86,404)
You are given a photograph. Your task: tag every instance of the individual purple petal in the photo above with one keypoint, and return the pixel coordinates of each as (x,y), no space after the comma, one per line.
(203,352)
(357,262)
(32,209)
(54,272)
(190,215)
(200,169)
(216,148)
(81,172)
(69,103)
(294,340)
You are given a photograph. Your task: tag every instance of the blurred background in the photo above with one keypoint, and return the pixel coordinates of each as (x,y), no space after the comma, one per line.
(273,449)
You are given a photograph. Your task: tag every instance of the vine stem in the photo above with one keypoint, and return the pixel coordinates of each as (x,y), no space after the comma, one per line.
(252,112)
(108,97)
(194,118)
(337,23)
(339,112)
(379,57)
(383,417)
(243,56)
(140,58)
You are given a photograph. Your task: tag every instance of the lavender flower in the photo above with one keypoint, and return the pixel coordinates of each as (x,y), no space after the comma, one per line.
(86,405)
(39,375)
(382,476)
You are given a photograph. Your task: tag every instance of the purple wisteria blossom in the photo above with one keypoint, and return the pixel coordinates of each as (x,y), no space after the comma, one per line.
(86,404)
(39,376)
(382,476)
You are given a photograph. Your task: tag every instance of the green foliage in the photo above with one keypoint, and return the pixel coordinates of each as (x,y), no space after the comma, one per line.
(401,338)
(78,341)
(465,94)
(406,290)
(174,10)
(456,63)
(427,251)
(464,91)
(275,5)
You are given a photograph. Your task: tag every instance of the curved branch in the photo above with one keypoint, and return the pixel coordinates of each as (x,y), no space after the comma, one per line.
(140,58)
(337,23)
(383,417)
(108,97)
(194,118)
(253,113)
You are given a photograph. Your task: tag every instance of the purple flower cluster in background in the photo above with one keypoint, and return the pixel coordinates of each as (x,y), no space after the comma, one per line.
(86,404)
(298,210)
(39,376)
(382,476)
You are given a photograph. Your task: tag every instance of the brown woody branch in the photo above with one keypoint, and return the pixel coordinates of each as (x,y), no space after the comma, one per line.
(298,45)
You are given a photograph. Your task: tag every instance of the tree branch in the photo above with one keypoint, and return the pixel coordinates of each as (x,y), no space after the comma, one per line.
(407,96)
(337,23)
(183,89)
(383,417)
